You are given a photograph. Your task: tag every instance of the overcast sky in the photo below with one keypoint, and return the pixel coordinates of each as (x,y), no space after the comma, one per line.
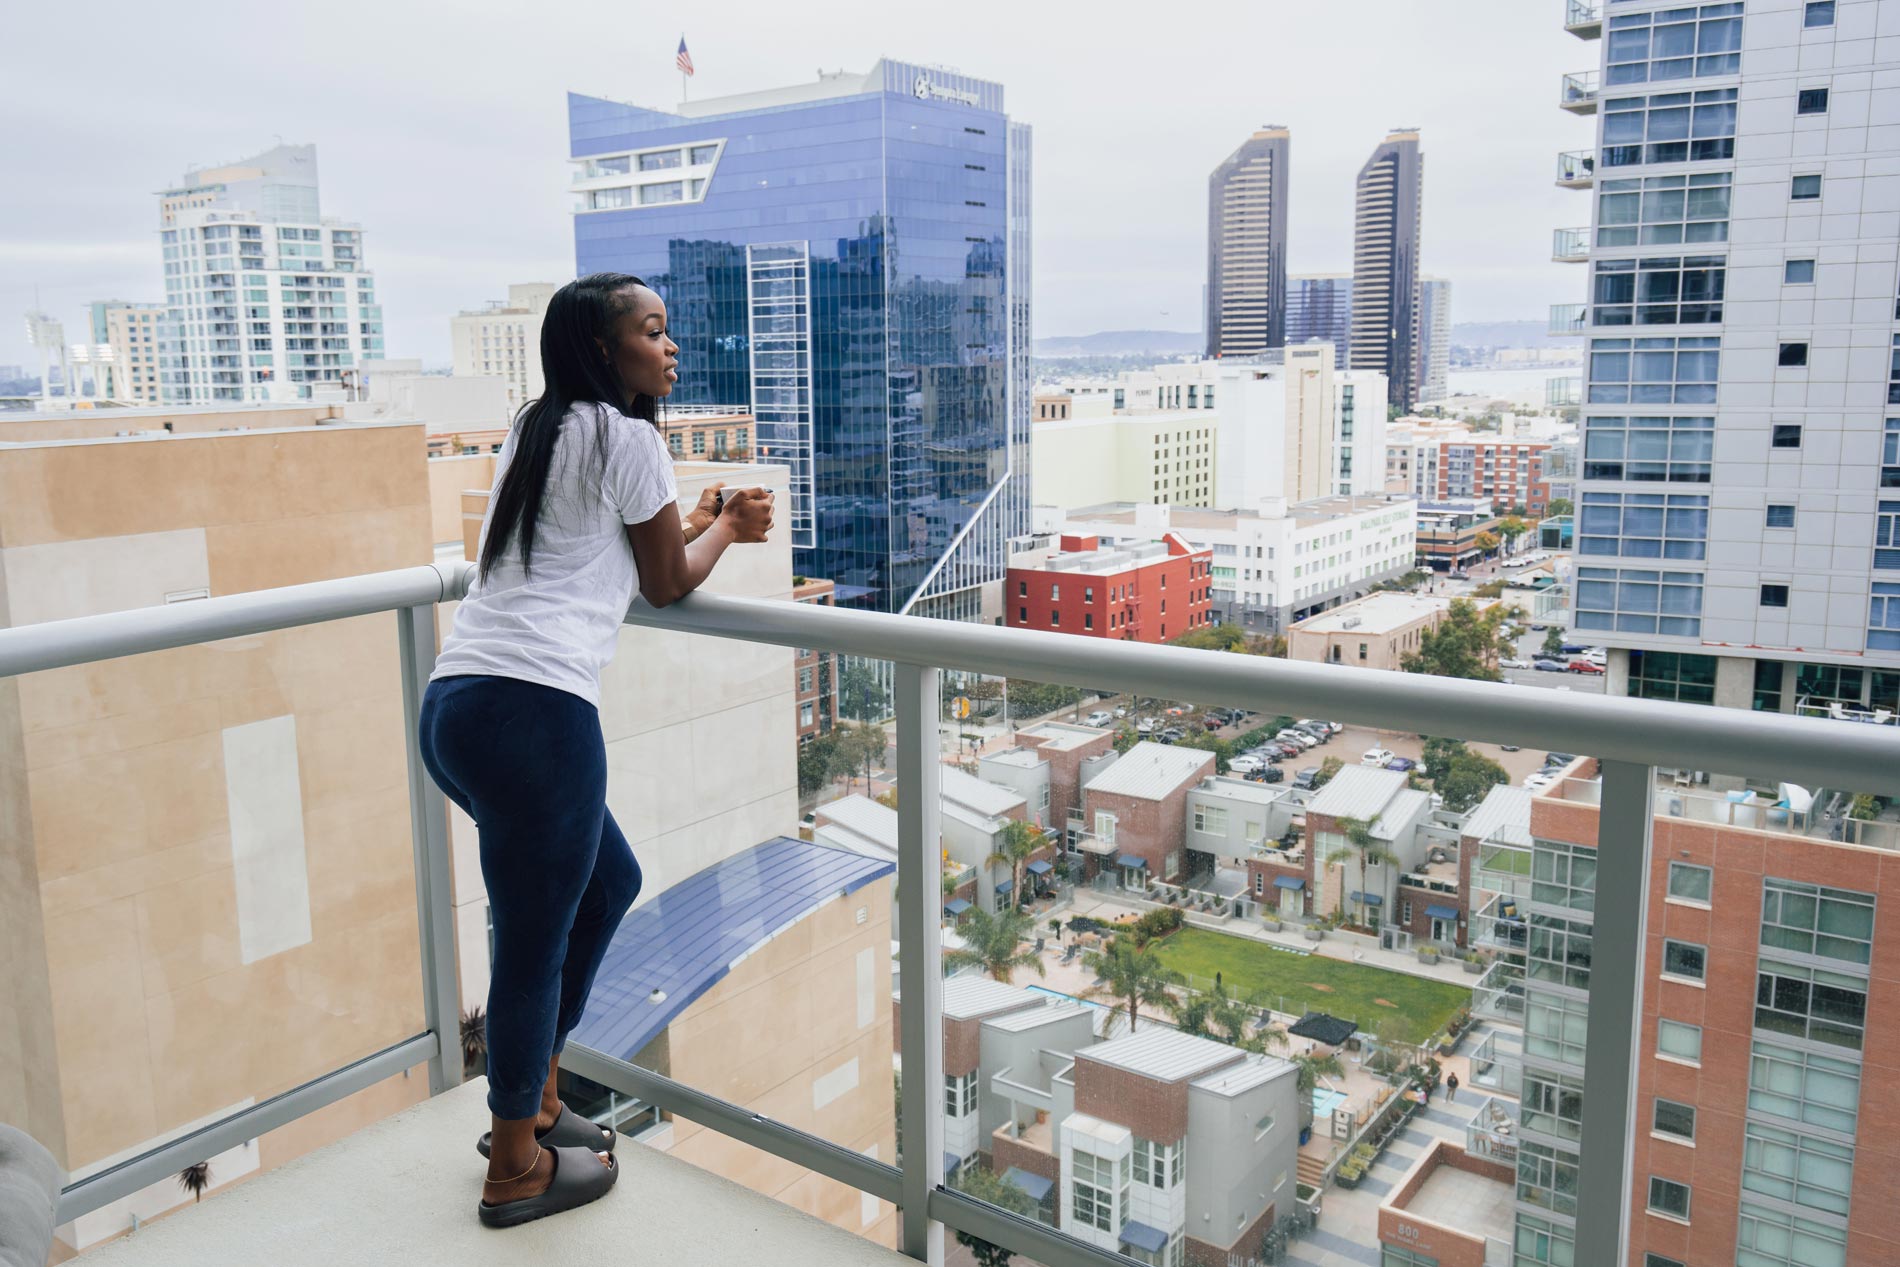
(442,129)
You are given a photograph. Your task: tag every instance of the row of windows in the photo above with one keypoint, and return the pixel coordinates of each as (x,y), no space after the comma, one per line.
(1674,127)
(1665,291)
(1654,371)
(1664,210)
(1644,525)
(1633,600)
(1674,44)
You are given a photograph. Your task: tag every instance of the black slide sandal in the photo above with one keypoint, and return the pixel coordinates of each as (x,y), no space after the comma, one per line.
(570,1130)
(579,1179)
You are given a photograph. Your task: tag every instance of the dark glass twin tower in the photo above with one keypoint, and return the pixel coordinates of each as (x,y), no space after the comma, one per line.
(1247,282)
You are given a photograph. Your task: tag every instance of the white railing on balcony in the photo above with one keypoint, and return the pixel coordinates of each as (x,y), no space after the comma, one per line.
(1563,393)
(1576,168)
(1498,925)
(1643,735)
(1567,321)
(1583,18)
(1497,1065)
(1578,92)
(1570,246)
(1499,993)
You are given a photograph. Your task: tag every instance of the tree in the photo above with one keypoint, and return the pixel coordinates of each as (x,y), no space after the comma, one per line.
(1219,1014)
(1490,589)
(994,944)
(1212,638)
(1553,641)
(979,1181)
(1033,699)
(1559,507)
(1014,848)
(1486,541)
(860,694)
(1327,769)
(1512,528)
(1464,783)
(887,798)
(1367,848)
(818,763)
(1313,1066)
(858,749)
(1206,741)
(194,1179)
(1130,974)
(1465,644)
(1125,738)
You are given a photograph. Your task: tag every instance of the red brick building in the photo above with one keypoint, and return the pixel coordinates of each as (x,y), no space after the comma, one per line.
(1135,812)
(1508,473)
(816,671)
(1142,592)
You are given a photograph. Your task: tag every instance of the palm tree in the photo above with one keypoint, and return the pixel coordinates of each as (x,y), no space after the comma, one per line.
(1363,845)
(474,1040)
(1219,1014)
(1014,848)
(1314,1065)
(1130,974)
(195,1179)
(994,944)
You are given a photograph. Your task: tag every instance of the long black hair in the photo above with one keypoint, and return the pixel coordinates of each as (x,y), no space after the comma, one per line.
(573,369)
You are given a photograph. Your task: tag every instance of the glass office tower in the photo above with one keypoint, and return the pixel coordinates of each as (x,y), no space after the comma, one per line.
(849,260)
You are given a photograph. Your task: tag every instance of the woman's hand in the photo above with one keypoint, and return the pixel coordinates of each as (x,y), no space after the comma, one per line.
(701,516)
(748,514)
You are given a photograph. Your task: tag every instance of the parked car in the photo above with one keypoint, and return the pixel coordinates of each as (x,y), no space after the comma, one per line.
(1179,711)
(1121,710)
(1307,777)
(1319,733)
(1548,666)
(1376,756)
(1290,749)
(1401,764)
(1271,774)
(1147,726)
(1553,759)
(1508,747)
(1247,765)
(1509,662)
(1538,782)
(1174,734)
(1597,655)
(1323,728)
(1584,666)
(1575,648)
(1224,716)
(1540,628)
(1299,737)
(1098,718)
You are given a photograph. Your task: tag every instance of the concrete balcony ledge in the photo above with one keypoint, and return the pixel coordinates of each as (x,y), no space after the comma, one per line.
(405,1189)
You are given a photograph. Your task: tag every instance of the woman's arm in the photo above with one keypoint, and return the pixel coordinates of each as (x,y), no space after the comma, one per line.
(702,515)
(670,569)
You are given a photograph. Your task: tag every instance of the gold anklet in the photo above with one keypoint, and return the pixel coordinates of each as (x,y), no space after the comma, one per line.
(524,1174)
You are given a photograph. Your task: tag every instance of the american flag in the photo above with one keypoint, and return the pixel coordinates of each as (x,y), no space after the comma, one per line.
(685,59)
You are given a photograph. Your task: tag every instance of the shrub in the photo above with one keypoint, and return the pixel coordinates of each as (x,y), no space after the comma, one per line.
(1156,923)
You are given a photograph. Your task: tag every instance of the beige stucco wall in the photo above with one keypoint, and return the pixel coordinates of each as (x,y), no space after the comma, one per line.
(449,478)
(204,852)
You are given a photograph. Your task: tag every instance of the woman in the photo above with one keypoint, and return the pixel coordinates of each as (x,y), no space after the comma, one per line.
(581,515)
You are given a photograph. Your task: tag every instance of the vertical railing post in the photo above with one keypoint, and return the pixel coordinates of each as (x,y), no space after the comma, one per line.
(429,833)
(1611,1044)
(920,951)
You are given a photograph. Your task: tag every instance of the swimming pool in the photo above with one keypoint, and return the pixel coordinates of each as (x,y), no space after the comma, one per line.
(1067,998)
(1325,1100)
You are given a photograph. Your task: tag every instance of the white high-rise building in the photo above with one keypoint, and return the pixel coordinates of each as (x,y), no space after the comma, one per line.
(1434,338)
(267,300)
(503,341)
(1738,518)
(1296,428)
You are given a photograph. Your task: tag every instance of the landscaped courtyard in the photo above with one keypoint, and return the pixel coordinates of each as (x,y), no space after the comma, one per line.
(1358,992)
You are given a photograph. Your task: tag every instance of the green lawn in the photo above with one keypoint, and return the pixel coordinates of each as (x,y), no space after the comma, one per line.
(1342,988)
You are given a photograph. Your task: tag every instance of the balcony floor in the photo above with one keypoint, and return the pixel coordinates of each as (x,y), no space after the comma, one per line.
(405,1190)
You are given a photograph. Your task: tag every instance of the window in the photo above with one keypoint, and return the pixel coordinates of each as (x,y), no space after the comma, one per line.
(1655,371)
(1105,826)
(1799,1168)
(1631,600)
(1663,210)
(1665,291)
(665,191)
(1399,1256)
(1552,1103)
(602,199)
(1540,1241)
(1797,273)
(1779,516)
(1055,618)
(1887,537)
(1554,1027)
(1644,525)
(1774,596)
(959,1094)
(1685,960)
(1547,1177)
(1793,356)
(1670,675)
(1093,1198)
(1803,1087)
(1672,450)
(1804,188)
(1776,1238)
(1819,13)
(1022,615)
(1883,617)
(1666,1196)
(703,154)
(1055,593)
(1022,589)
(1657,1260)
(659,160)
(1675,127)
(1159,1165)
(1563,875)
(1559,951)
(1675,44)
(1786,435)
(1677,1120)
(1690,882)
(1680,1040)
(1810,920)
(1811,101)
(1811,1003)
(1890,455)
(1210,818)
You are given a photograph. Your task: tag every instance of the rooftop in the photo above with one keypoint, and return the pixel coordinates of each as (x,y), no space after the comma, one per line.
(1245,1076)
(404,1190)
(972,996)
(1470,1203)
(1027,758)
(1358,791)
(1188,518)
(1062,736)
(1375,614)
(1162,1053)
(1151,771)
(1240,789)
(1504,816)
(1031,1017)
(858,822)
(971,793)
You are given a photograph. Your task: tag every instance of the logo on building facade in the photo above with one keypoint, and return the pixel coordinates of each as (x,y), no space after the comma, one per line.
(928,91)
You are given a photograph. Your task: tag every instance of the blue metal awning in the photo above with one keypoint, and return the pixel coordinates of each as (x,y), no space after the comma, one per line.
(955,906)
(1150,1239)
(1288,882)
(1005,886)
(1035,1185)
(1442,912)
(1370,899)
(1039,867)
(1130,860)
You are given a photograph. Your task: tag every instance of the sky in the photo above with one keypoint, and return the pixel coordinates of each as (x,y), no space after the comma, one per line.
(442,130)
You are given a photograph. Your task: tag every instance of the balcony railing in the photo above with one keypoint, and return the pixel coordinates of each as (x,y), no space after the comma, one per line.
(1584,18)
(1578,92)
(1499,993)
(1563,393)
(1576,170)
(1568,320)
(1570,246)
(1643,734)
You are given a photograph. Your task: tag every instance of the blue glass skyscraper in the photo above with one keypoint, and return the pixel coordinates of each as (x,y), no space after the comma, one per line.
(848,260)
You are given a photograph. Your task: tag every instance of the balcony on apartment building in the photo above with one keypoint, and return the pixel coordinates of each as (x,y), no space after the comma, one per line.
(711,1181)
(1584,18)
(1570,246)
(1578,92)
(1568,321)
(1564,393)
(1576,169)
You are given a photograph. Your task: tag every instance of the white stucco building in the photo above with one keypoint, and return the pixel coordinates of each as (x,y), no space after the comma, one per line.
(503,340)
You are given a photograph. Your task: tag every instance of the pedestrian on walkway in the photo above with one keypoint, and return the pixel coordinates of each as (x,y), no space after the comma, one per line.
(1451,1088)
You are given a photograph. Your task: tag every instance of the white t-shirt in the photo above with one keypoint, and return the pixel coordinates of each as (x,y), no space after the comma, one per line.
(559,625)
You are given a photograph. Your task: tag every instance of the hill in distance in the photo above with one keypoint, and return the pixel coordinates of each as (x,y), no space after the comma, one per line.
(1468,334)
